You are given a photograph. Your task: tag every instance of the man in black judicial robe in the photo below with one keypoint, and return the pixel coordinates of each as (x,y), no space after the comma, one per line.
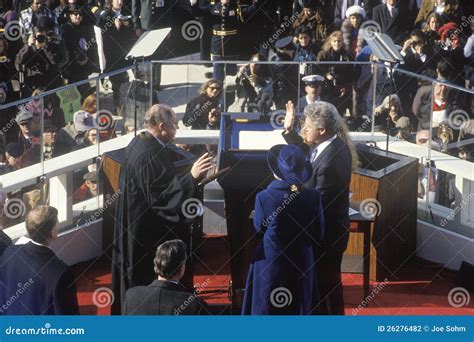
(150,208)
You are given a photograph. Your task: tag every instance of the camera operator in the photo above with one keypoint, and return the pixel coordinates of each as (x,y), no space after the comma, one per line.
(39,61)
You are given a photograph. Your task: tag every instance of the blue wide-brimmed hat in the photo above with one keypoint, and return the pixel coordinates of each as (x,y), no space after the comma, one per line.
(289,163)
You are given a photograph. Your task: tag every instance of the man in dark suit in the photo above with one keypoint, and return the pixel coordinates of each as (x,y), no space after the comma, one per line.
(331,160)
(164,296)
(153,203)
(394,19)
(33,280)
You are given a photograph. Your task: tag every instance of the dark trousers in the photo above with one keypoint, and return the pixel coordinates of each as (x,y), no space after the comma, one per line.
(331,296)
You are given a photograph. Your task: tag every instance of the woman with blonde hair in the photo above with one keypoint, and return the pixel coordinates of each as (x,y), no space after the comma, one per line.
(338,77)
(206,103)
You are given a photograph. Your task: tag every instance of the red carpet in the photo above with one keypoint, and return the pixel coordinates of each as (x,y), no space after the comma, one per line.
(422,288)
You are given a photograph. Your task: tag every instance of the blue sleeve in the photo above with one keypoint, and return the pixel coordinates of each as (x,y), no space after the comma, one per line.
(259,220)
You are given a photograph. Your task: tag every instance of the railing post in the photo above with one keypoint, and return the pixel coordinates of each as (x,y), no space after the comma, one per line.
(61,197)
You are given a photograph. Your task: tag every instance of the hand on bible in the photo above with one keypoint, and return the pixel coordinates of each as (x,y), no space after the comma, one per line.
(201,166)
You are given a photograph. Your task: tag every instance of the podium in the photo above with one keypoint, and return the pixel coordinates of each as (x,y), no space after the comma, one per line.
(390,179)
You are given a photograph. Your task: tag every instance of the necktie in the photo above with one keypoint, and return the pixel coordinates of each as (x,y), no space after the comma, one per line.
(314,154)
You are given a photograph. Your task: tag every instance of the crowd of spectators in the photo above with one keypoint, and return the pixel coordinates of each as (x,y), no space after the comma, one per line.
(45,44)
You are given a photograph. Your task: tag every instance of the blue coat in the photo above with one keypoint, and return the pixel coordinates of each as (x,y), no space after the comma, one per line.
(281,276)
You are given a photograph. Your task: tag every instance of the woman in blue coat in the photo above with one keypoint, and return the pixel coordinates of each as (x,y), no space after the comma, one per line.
(289,219)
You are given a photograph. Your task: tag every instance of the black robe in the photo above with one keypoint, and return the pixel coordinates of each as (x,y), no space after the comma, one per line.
(149,212)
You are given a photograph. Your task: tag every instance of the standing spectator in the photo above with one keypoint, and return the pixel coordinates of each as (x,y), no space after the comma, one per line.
(340,77)
(50,283)
(13,154)
(38,62)
(7,74)
(393,19)
(88,189)
(30,16)
(340,10)
(305,51)
(76,36)
(118,38)
(353,41)
(433,22)
(227,16)
(312,16)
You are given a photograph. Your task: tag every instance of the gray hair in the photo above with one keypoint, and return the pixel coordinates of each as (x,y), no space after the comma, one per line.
(323,115)
(157,114)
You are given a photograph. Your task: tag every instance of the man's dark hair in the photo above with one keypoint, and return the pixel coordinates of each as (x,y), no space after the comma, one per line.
(444,68)
(170,256)
(40,223)
(418,33)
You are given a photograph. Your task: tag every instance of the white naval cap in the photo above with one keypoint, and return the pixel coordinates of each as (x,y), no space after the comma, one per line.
(313,78)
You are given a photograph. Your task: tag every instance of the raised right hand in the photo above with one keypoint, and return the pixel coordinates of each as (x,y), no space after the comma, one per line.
(290,116)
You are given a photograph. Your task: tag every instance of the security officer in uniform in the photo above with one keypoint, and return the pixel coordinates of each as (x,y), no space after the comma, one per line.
(226,17)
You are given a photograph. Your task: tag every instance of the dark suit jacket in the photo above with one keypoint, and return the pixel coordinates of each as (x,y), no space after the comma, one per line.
(5,241)
(161,298)
(34,281)
(331,176)
(397,27)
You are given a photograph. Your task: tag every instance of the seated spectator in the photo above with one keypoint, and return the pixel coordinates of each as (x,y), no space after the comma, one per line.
(13,154)
(26,135)
(398,124)
(164,296)
(253,88)
(88,189)
(353,41)
(199,108)
(339,77)
(49,282)
(90,138)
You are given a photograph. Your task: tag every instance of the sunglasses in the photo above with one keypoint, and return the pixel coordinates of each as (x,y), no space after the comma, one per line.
(215,88)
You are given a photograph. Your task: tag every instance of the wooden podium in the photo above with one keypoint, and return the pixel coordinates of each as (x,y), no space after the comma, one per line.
(391,180)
